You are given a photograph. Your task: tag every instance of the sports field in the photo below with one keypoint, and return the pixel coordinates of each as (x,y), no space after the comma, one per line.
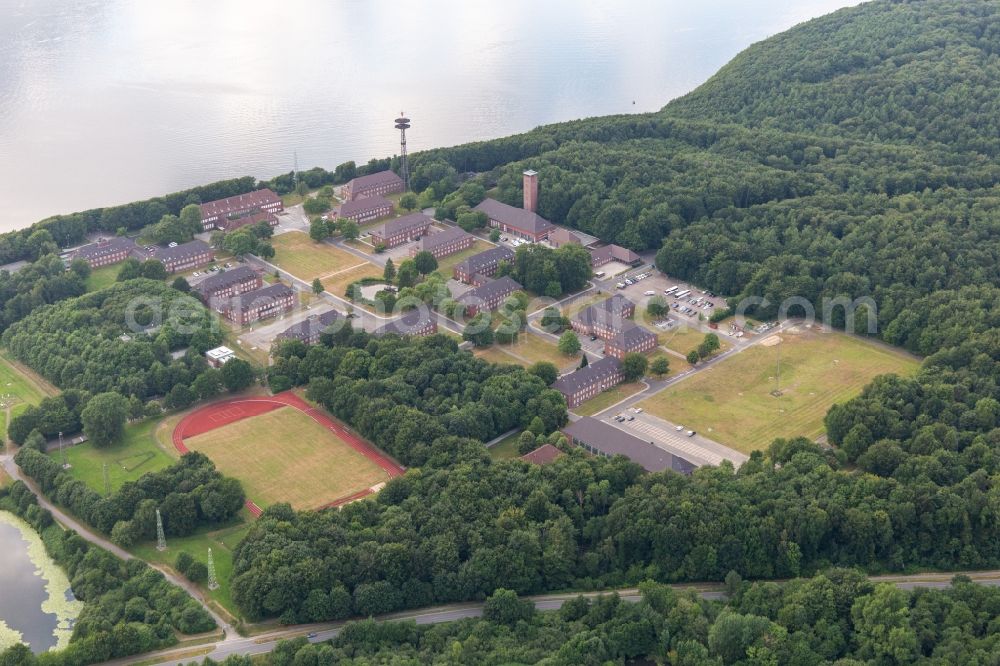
(733,403)
(286,456)
(296,253)
(140,452)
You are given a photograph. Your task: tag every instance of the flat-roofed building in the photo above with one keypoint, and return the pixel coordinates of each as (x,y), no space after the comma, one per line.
(587,382)
(443,243)
(309,330)
(106,251)
(418,322)
(401,230)
(219,356)
(482,263)
(374,184)
(605,255)
(229,283)
(516,221)
(242,204)
(363,210)
(234,222)
(487,297)
(185,256)
(260,304)
(631,338)
(604,319)
(603,439)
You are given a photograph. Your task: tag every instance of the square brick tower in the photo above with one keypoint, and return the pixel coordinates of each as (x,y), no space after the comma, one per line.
(531,191)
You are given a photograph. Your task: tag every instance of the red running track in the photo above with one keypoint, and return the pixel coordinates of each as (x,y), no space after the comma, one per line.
(224,412)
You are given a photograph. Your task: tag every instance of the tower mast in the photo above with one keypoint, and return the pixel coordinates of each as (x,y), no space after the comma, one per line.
(403,124)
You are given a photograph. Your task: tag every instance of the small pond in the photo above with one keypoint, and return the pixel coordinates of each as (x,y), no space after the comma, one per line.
(37,606)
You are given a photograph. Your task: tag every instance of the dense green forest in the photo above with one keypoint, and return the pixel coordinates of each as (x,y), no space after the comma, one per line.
(129,607)
(836,616)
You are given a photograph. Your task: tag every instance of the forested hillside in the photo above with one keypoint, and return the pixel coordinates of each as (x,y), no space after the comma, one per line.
(853,155)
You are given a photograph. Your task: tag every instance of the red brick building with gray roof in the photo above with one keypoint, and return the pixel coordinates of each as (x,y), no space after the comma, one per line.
(516,221)
(374,184)
(214,212)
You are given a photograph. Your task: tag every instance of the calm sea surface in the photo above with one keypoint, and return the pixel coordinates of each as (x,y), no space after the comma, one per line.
(108,101)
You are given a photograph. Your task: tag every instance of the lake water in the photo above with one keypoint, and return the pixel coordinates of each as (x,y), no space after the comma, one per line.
(109,101)
(36,605)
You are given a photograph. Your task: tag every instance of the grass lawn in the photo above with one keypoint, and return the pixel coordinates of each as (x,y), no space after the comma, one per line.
(683,339)
(4,479)
(285,456)
(296,253)
(605,399)
(533,348)
(222,542)
(732,402)
(140,452)
(447,264)
(506,448)
(102,277)
(337,284)
(24,388)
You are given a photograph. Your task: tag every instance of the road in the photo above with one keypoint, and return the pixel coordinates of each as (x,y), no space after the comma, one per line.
(263,643)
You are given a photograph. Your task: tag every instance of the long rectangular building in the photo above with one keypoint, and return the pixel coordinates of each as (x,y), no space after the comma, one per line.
(401,230)
(263,303)
(185,256)
(364,210)
(229,283)
(242,204)
(106,251)
(603,439)
(374,184)
(489,296)
(483,263)
(608,253)
(443,243)
(585,383)
(418,322)
(516,221)
(233,222)
(309,330)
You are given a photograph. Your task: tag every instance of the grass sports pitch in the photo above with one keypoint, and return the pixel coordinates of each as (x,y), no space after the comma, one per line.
(286,456)
(733,402)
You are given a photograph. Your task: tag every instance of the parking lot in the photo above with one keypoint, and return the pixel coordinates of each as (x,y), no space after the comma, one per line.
(674,438)
(647,282)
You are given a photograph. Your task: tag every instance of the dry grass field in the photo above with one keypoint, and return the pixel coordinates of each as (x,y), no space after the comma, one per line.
(296,253)
(285,456)
(733,403)
(337,283)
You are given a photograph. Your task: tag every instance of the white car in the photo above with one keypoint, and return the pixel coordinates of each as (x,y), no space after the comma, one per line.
(649,293)
(679,428)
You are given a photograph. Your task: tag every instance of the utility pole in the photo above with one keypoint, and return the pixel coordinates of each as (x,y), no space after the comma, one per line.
(213,582)
(62,452)
(107,482)
(161,539)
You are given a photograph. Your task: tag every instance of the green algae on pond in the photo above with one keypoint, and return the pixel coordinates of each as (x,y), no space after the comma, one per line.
(37,606)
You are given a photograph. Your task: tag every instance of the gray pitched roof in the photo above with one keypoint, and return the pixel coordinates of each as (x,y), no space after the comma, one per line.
(631,335)
(182,251)
(573,382)
(515,217)
(609,311)
(475,263)
(504,285)
(261,297)
(613,441)
(440,238)
(104,247)
(239,204)
(224,279)
(411,322)
(362,183)
(615,253)
(310,326)
(405,223)
(359,206)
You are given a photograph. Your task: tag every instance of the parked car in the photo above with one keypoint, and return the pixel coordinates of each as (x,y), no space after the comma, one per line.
(679,428)
(691,433)
(650,292)
(631,418)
